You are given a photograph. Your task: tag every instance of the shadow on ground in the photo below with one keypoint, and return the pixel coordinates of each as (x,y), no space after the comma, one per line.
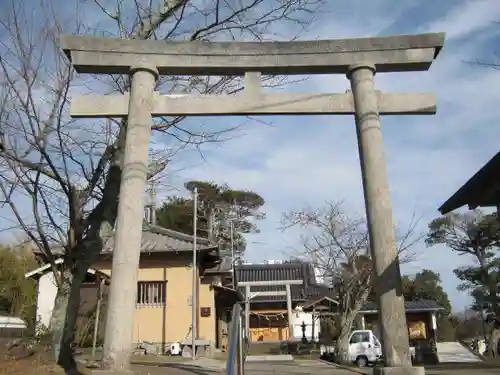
(175,368)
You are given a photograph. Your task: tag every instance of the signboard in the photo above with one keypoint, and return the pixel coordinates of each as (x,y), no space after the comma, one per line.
(416,330)
(205,312)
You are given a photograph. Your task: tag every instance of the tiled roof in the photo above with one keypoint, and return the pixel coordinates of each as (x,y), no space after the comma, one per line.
(473,192)
(285,271)
(318,290)
(279,272)
(410,306)
(223,267)
(158,239)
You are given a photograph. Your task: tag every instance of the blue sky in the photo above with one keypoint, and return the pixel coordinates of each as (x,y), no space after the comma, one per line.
(308,160)
(293,161)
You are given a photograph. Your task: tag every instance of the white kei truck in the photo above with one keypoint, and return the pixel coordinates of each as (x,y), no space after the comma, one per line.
(364,348)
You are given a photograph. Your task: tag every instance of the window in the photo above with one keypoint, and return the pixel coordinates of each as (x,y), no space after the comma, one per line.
(359,337)
(152,293)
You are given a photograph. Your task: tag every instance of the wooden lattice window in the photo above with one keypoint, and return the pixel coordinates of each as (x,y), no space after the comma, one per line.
(152,293)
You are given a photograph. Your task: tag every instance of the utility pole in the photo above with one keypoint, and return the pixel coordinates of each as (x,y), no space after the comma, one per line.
(153,203)
(194,302)
(232,250)
(231,234)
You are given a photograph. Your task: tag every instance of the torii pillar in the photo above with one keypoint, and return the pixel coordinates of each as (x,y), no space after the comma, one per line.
(128,233)
(392,315)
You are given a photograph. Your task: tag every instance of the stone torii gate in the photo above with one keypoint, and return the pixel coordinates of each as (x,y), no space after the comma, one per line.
(287,292)
(359,59)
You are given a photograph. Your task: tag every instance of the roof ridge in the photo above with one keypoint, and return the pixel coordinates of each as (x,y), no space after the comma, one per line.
(274,265)
(175,234)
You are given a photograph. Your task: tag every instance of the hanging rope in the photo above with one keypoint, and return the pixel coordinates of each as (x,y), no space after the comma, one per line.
(268,316)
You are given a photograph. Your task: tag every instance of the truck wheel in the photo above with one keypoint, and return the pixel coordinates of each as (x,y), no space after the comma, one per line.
(362,361)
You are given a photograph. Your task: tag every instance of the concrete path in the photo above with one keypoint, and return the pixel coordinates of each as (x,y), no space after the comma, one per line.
(299,367)
(269,358)
(454,352)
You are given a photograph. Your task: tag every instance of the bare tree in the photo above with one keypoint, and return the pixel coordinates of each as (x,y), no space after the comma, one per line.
(60,178)
(338,247)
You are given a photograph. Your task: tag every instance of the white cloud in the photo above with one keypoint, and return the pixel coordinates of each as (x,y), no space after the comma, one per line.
(471,17)
(313,159)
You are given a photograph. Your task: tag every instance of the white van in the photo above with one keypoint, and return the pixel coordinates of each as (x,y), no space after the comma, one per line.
(364,348)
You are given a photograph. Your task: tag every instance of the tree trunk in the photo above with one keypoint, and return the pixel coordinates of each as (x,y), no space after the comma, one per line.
(64,316)
(342,348)
(85,251)
(493,342)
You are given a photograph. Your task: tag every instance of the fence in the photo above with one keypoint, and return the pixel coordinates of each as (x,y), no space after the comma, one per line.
(236,347)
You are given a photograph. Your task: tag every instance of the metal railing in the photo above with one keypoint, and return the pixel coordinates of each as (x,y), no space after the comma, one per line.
(236,351)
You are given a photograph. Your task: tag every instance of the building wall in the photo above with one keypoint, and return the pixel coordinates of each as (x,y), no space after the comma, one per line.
(272,325)
(268,325)
(47,290)
(307,318)
(414,321)
(172,322)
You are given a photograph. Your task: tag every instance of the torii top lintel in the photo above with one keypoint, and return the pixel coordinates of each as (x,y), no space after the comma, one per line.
(116,56)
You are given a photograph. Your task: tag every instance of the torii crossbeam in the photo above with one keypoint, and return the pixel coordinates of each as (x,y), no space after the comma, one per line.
(88,106)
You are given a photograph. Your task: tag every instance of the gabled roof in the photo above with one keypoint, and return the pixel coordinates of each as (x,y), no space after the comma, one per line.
(318,300)
(279,272)
(40,271)
(224,266)
(481,190)
(317,291)
(410,306)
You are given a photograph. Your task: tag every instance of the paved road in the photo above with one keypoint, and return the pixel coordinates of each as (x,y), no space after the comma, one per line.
(294,368)
(173,369)
(302,367)
(261,368)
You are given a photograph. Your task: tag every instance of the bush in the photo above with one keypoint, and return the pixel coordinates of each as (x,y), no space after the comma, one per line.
(446,331)
(18,295)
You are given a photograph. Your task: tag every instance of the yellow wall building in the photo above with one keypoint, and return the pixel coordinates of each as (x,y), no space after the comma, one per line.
(164,288)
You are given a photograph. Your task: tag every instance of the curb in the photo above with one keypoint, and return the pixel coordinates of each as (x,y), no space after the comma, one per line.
(269,358)
(355,370)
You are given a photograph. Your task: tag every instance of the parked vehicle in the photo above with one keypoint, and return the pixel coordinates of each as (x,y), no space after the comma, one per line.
(11,327)
(364,348)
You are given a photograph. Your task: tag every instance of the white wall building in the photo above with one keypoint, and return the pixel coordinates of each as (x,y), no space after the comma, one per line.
(47,290)
(300,317)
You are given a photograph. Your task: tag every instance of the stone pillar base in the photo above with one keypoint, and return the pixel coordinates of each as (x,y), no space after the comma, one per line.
(403,370)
